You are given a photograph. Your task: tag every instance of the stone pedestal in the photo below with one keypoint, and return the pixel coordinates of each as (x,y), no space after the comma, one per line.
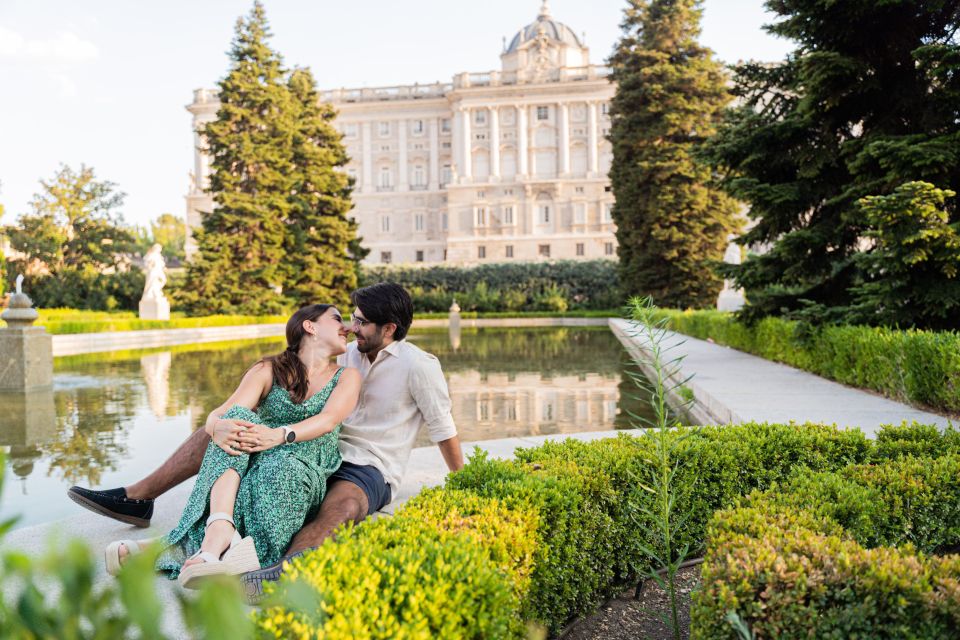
(155,309)
(27,422)
(730,300)
(26,359)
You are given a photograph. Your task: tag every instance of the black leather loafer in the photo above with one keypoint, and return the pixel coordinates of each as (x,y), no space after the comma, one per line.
(253,580)
(115,504)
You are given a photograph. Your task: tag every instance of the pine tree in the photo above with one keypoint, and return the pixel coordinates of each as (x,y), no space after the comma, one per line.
(672,226)
(320,267)
(242,244)
(868,101)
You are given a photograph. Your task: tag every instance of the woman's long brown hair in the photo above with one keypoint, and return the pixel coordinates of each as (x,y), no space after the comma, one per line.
(288,370)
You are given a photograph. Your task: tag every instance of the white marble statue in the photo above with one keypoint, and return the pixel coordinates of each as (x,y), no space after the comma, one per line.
(153,304)
(731,299)
(155,266)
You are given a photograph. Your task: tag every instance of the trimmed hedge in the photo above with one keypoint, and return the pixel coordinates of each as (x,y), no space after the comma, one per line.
(70,321)
(806,561)
(914,366)
(522,286)
(561,525)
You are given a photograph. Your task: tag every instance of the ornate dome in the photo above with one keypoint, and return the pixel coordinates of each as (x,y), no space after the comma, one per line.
(551,28)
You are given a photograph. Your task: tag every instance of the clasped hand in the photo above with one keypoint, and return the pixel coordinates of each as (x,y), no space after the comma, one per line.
(237,437)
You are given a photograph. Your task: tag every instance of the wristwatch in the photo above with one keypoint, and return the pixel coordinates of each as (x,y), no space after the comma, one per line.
(289,435)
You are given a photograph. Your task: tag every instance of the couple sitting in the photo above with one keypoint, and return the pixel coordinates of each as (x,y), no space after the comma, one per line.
(302,446)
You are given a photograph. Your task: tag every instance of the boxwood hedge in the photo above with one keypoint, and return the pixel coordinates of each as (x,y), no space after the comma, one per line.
(546,537)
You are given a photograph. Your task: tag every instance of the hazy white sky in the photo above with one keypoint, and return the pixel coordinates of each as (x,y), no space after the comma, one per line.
(105,82)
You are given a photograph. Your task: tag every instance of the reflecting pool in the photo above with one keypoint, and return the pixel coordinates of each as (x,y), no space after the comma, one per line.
(111,418)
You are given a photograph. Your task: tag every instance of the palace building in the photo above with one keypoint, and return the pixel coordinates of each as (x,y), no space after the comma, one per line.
(491,167)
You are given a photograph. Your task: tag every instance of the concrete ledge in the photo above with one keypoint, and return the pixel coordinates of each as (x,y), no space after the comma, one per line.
(77,343)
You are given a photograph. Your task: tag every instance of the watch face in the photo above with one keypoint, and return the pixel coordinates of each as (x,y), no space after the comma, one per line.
(291,436)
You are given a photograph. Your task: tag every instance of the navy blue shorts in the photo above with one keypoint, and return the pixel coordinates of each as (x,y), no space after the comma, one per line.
(368,478)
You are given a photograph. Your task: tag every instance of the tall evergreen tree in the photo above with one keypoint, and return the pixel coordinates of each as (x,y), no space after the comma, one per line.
(672,226)
(242,244)
(868,101)
(319,264)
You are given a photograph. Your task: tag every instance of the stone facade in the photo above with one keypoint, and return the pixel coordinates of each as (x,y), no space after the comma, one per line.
(492,167)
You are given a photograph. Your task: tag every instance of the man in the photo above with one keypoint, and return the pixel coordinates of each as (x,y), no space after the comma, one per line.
(403,389)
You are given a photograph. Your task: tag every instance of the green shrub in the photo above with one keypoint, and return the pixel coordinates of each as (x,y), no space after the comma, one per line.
(449,565)
(540,286)
(913,366)
(71,321)
(804,561)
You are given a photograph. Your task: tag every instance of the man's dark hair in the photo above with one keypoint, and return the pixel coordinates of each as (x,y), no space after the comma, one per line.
(385,302)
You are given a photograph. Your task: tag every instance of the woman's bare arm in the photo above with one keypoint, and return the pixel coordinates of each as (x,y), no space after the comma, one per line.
(339,405)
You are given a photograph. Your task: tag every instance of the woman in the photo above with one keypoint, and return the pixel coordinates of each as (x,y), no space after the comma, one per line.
(267,480)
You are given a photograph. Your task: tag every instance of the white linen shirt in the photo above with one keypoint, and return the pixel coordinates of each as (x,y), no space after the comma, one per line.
(403,389)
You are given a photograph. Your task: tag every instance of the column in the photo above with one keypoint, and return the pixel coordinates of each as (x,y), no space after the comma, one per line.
(494,143)
(434,124)
(522,140)
(466,142)
(563,122)
(403,172)
(592,166)
(367,158)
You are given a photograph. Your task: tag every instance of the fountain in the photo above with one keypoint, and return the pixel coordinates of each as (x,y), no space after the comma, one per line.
(26,352)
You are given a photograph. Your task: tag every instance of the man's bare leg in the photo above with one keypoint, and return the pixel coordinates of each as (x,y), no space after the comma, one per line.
(345,502)
(182,465)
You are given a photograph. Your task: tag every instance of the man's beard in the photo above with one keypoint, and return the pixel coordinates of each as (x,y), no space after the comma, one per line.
(370,344)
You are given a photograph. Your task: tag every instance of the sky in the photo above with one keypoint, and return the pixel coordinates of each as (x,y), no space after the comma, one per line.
(105,82)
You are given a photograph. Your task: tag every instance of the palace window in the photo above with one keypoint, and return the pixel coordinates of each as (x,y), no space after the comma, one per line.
(544,214)
(384,128)
(580,213)
(608,212)
(444,223)
(579,189)
(481,252)
(580,249)
(605,108)
(445,125)
(608,248)
(386,178)
(544,250)
(419,255)
(350,130)
(418,224)
(481,195)
(543,113)
(418,126)
(445,145)
(385,224)
(480,216)
(386,257)
(419,176)
(509,251)
(446,174)
(480,116)
(508,215)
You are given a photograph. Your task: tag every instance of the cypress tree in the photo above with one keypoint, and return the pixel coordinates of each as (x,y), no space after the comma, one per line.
(868,101)
(320,266)
(242,244)
(672,225)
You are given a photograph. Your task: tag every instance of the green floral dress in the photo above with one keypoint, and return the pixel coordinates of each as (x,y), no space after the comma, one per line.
(280,488)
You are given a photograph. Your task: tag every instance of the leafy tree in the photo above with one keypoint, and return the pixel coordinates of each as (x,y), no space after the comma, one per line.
(672,226)
(74,224)
(913,273)
(319,264)
(279,234)
(869,100)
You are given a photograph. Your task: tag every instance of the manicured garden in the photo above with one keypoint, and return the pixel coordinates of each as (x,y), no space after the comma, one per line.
(803,527)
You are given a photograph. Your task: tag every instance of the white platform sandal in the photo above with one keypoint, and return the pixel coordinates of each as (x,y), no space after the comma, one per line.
(240,557)
(111,555)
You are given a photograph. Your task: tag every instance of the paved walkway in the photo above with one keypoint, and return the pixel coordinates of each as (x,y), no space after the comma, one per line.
(731,386)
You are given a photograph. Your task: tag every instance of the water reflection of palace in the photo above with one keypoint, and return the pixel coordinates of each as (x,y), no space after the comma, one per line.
(504,405)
